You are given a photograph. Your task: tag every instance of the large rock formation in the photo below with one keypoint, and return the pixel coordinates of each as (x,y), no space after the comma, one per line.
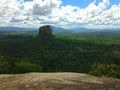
(45,29)
(57,81)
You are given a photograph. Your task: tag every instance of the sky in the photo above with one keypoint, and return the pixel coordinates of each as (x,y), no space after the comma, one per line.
(60,13)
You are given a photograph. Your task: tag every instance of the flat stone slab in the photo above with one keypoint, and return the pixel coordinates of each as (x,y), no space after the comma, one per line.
(57,81)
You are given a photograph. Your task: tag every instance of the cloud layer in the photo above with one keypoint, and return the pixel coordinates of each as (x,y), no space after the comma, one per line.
(40,12)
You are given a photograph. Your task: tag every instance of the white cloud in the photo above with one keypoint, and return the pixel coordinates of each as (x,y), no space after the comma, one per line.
(40,12)
(9,9)
(44,7)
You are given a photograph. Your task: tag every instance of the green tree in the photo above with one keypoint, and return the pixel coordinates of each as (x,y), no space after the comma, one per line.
(3,65)
(23,67)
(111,70)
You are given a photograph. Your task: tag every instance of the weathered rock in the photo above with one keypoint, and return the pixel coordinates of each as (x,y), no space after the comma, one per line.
(45,29)
(57,81)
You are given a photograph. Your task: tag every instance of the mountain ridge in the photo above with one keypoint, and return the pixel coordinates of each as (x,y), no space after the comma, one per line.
(60,29)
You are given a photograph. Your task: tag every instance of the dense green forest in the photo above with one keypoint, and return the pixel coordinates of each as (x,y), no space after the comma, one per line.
(96,53)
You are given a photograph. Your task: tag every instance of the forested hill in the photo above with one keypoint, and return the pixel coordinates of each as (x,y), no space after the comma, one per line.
(94,53)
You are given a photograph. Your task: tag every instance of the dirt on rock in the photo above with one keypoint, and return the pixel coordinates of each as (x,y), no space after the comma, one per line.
(57,81)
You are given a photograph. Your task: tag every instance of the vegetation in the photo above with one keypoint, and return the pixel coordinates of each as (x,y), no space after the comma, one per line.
(94,53)
(99,69)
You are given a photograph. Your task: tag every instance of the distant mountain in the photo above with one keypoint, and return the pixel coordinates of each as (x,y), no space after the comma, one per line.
(79,29)
(58,29)
(55,29)
(61,30)
(17,29)
(72,30)
(82,29)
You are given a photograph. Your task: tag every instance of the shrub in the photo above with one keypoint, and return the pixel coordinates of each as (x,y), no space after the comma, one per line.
(111,70)
(3,65)
(23,67)
(96,69)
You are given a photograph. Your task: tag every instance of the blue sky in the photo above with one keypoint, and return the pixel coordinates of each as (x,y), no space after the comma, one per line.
(83,3)
(60,13)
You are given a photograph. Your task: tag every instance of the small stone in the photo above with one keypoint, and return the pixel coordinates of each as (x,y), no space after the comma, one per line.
(27,86)
(36,84)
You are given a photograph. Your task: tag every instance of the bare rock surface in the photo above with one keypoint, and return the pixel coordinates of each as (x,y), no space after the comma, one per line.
(45,29)
(57,81)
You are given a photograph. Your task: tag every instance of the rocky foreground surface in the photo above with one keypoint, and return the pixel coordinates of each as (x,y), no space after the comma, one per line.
(57,81)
